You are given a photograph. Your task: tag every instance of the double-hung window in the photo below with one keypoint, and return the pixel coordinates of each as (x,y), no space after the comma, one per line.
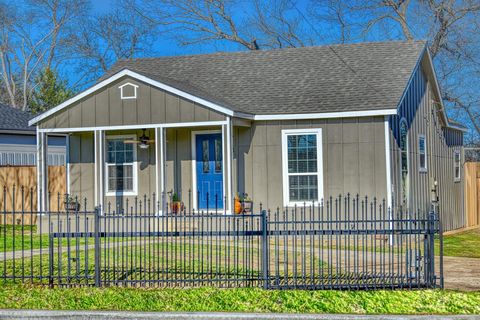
(302,166)
(457,165)
(422,153)
(121,170)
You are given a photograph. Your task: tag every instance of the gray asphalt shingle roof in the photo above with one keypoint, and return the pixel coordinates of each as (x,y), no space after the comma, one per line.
(350,77)
(14,119)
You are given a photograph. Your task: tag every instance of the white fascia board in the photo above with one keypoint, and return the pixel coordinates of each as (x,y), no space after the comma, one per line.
(138,77)
(135,127)
(437,88)
(326,115)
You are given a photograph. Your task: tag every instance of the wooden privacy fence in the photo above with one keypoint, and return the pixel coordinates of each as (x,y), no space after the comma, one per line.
(472,194)
(20,183)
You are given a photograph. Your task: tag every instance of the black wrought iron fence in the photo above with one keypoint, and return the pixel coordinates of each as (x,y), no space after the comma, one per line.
(342,243)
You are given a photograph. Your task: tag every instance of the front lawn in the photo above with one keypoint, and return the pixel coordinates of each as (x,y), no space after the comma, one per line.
(241,300)
(464,244)
(17,237)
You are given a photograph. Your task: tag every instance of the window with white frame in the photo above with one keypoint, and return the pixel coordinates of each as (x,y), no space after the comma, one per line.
(422,153)
(121,173)
(302,166)
(457,165)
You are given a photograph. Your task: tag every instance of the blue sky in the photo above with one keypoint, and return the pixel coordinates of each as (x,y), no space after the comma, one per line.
(102,6)
(169,47)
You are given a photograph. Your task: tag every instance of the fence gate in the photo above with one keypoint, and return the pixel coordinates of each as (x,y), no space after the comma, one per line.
(357,248)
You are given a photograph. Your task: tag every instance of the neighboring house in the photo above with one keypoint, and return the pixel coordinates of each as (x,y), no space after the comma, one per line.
(285,126)
(18,145)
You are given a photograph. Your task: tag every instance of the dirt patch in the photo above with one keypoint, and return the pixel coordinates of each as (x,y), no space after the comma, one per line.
(461,273)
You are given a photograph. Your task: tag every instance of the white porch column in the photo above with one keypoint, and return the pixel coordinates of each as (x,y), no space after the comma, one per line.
(67,162)
(99,154)
(160,168)
(229,163)
(42,172)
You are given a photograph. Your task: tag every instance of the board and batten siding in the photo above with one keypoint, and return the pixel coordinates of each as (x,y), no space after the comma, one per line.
(419,108)
(81,168)
(152,106)
(353,158)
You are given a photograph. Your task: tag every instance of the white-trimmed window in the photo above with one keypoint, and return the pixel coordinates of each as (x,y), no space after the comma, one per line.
(121,167)
(422,153)
(302,166)
(128,91)
(457,165)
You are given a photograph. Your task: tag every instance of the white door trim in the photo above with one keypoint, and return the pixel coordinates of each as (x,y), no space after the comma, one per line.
(194,163)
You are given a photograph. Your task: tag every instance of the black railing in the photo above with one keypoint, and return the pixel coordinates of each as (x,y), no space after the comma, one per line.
(342,243)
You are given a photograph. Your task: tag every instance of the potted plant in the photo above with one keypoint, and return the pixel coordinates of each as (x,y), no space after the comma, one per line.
(176,206)
(71,204)
(247,203)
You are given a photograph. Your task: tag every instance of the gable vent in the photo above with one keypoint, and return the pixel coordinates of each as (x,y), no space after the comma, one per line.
(128,91)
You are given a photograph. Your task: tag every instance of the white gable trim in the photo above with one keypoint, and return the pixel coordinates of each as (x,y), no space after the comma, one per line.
(435,85)
(136,76)
(437,88)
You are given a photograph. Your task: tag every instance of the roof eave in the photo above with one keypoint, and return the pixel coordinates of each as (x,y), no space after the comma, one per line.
(436,88)
(455,127)
(17,131)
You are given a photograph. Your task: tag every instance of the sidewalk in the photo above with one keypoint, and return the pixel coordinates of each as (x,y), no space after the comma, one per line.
(77,315)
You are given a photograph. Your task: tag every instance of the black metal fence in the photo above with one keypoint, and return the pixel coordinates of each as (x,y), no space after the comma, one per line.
(342,243)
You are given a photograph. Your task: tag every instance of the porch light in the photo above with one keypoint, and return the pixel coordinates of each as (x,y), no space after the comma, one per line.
(143,145)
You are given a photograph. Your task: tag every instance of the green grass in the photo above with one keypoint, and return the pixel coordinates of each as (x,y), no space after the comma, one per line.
(464,244)
(162,257)
(11,238)
(241,300)
(26,238)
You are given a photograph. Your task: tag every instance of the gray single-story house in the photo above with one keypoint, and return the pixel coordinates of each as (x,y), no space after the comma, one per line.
(18,146)
(285,126)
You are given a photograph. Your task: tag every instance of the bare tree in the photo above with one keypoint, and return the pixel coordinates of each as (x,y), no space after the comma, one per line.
(252,25)
(101,40)
(24,52)
(451,28)
(279,25)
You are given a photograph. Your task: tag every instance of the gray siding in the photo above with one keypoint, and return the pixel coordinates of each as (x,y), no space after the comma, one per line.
(81,166)
(353,158)
(418,108)
(152,106)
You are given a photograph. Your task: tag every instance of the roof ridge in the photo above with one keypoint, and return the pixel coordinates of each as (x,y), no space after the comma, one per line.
(245,52)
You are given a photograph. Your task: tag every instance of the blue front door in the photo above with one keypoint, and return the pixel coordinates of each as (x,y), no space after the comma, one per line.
(209,171)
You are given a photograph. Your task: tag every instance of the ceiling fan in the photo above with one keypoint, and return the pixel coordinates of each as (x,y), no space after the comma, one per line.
(143,141)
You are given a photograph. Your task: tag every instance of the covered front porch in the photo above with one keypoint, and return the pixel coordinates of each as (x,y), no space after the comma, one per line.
(160,167)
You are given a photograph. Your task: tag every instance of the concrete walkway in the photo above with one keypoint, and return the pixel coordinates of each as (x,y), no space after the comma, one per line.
(77,315)
(461,273)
